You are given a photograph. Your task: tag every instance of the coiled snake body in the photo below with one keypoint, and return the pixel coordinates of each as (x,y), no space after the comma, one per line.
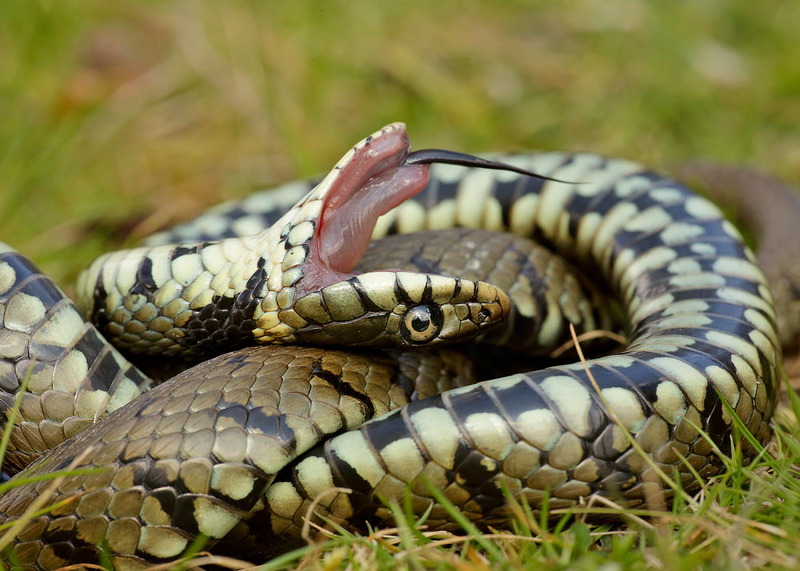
(197,457)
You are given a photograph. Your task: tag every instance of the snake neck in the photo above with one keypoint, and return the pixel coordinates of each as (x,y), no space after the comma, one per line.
(291,282)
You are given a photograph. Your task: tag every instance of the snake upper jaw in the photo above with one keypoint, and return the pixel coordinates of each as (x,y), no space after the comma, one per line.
(399,308)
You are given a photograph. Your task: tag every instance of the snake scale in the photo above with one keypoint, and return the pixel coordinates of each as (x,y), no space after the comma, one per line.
(197,454)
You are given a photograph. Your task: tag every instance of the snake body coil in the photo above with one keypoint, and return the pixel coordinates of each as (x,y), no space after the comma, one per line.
(703,348)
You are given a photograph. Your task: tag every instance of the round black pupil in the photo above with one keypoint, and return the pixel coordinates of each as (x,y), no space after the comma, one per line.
(420,323)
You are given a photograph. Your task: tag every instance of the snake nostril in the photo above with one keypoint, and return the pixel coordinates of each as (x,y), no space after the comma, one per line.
(484,315)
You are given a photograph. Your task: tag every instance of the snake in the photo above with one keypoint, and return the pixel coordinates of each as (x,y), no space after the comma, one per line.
(206,451)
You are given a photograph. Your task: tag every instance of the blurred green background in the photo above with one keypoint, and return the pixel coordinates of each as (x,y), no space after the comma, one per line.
(117,118)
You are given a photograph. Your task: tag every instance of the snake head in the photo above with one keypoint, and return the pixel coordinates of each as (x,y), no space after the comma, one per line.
(293,281)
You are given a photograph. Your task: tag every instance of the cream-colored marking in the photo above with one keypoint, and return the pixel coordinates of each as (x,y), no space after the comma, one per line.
(236,482)
(654,258)
(353,448)
(474,191)
(762,342)
(411,217)
(488,464)
(669,343)
(23,311)
(295,256)
(693,382)
(508,382)
(314,475)
(703,248)
(704,279)
(413,284)
(265,453)
(403,459)
(283,499)
(652,306)
(666,195)
(490,434)
(648,220)
(438,433)
(745,298)
(125,391)
(726,385)
(7,277)
(684,266)
(380,286)
(551,203)
(199,288)
(745,373)
(616,361)
(731,230)
(442,288)
(687,306)
(162,542)
(626,406)
(615,219)
(301,233)
(236,249)
(212,519)
(310,210)
(185,269)
(91,404)
(213,258)
(291,276)
(670,402)
(539,428)
(760,322)
(681,232)
(551,326)
(522,216)
(160,265)
(736,267)
(701,208)
(442,215)
(60,329)
(588,226)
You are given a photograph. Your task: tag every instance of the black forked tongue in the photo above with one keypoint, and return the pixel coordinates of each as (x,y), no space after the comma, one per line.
(428,156)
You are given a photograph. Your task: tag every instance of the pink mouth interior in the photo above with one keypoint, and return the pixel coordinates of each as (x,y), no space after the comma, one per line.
(373,182)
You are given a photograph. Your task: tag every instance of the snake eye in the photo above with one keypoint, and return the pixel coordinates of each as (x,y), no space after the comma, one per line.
(422,323)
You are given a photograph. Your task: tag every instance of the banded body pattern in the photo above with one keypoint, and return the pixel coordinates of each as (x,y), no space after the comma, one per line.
(197,455)
(72,375)
(702,328)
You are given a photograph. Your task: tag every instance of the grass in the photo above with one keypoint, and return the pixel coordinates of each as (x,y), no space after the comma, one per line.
(120,118)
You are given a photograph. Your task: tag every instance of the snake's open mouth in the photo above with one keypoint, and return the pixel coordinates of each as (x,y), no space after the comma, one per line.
(371,179)
(375,176)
